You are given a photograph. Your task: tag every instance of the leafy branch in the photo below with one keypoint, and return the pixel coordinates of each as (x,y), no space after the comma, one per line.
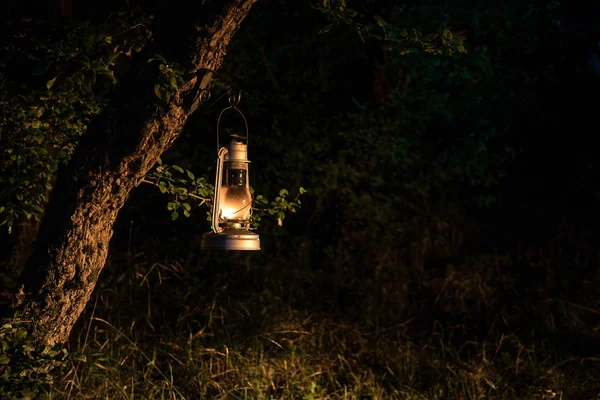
(182,185)
(278,208)
(169,80)
(393,37)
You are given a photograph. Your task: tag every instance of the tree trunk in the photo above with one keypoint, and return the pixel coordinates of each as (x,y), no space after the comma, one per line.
(113,157)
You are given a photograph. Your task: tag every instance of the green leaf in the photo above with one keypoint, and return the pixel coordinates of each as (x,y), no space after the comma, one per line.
(47,350)
(186,206)
(326,29)
(21,334)
(27,348)
(111,76)
(157,57)
(190,175)
(157,91)
(447,34)
(380,21)
(4,359)
(177,168)
(50,83)
(39,111)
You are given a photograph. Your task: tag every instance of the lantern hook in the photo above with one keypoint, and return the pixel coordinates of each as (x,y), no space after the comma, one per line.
(234,100)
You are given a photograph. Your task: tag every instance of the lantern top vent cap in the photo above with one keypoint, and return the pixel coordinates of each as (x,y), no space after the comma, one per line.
(238,138)
(237,151)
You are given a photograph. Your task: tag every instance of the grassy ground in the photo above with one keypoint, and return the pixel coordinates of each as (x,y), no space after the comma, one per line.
(499,325)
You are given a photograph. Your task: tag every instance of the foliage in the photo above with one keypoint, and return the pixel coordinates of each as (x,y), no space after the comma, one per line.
(46,108)
(278,208)
(25,369)
(392,37)
(170,78)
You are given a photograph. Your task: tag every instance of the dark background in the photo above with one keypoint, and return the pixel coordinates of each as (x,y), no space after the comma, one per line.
(456,192)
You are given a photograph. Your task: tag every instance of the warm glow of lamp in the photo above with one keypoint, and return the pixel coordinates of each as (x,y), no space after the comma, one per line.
(235,200)
(235,203)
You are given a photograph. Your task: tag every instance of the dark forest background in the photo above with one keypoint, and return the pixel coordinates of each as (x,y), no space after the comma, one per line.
(446,245)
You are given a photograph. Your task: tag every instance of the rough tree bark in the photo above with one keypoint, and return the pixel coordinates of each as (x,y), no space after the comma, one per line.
(113,157)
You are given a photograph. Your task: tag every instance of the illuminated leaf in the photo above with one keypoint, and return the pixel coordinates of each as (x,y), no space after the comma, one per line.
(50,83)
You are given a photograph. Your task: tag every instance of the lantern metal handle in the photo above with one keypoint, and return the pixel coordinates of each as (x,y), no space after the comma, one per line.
(217,205)
(233,102)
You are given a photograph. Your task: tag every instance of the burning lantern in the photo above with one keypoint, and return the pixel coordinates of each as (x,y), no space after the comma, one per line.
(232,204)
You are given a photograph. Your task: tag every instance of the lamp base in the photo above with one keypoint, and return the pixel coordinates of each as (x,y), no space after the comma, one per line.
(231,239)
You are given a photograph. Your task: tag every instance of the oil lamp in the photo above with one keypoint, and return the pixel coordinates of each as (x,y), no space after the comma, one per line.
(232,203)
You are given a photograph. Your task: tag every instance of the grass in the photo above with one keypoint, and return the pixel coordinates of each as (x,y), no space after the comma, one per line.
(478,330)
(495,325)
